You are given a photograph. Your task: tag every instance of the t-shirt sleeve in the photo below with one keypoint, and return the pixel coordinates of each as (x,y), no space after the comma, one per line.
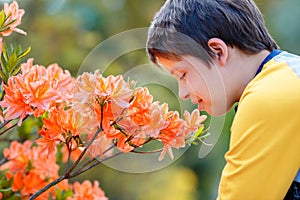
(264,152)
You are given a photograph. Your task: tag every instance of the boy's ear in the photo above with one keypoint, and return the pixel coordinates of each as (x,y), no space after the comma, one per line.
(220,49)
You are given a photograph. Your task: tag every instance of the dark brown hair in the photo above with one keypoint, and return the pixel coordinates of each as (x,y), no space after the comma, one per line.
(183,27)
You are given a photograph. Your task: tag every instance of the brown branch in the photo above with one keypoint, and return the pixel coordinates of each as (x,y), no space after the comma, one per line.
(56,181)
(80,171)
(9,128)
(83,152)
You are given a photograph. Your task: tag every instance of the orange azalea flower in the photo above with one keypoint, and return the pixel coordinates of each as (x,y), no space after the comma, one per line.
(193,121)
(35,90)
(172,129)
(106,116)
(100,146)
(139,109)
(18,182)
(61,81)
(47,144)
(123,144)
(75,152)
(92,91)
(30,167)
(158,115)
(13,18)
(41,94)
(87,191)
(121,92)
(61,124)
(172,134)
(15,102)
(32,182)
(17,156)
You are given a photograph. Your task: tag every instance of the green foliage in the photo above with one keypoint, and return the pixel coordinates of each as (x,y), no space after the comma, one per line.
(2,18)
(10,58)
(63,194)
(6,188)
(28,129)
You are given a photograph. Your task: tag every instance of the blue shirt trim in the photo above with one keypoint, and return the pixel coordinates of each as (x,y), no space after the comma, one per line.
(297,178)
(269,57)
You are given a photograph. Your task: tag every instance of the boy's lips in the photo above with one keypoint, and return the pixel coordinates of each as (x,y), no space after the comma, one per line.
(200,104)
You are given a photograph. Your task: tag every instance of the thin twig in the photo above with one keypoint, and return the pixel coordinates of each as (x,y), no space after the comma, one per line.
(4,131)
(3,160)
(95,158)
(56,181)
(6,122)
(70,175)
(83,152)
(146,152)
(80,171)
(69,156)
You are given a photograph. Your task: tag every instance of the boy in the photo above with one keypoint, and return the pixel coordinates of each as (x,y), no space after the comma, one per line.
(221,53)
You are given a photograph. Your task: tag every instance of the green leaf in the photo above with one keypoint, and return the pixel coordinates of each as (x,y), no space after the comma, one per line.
(5,190)
(18,49)
(28,129)
(4,50)
(24,53)
(2,29)
(199,132)
(11,63)
(7,25)
(63,194)
(4,63)
(2,17)
(17,69)
(2,76)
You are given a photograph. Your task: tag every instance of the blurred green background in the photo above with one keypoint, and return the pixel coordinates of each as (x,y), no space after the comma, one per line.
(66,31)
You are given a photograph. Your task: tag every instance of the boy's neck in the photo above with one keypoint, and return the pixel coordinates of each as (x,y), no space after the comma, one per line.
(246,67)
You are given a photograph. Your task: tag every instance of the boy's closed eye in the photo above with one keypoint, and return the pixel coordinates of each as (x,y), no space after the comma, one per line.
(182,77)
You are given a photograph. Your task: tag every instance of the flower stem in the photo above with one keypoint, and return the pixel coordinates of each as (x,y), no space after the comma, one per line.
(83,152)
(56,181)
(4,131)
(82,170)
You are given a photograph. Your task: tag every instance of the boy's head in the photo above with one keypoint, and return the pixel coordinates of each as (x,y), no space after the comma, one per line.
(188,34)
(183,27)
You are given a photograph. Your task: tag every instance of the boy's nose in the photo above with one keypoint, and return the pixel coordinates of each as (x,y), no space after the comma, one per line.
(183,93)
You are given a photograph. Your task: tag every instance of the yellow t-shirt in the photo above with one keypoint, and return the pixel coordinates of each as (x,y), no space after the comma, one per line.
(264,154)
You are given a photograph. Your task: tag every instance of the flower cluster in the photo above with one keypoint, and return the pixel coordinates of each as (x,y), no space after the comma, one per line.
(36,90)
(83,118)
(31,168)
(87,191)
(128,116)
(11,17)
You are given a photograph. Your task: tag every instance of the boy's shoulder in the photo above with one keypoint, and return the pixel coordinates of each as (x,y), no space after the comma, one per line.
(277,86)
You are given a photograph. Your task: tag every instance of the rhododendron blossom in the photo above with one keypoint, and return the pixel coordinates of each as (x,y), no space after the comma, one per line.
(30,168)
(87,191)
(130,118)
(35,90)
(13,19)
(77,122)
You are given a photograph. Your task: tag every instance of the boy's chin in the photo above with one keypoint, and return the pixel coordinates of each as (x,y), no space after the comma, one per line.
(216,111)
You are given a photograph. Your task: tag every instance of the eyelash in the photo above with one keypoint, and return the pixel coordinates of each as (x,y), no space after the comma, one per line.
(182,76)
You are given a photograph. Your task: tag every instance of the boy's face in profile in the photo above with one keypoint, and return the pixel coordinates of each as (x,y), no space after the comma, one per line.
(196,81)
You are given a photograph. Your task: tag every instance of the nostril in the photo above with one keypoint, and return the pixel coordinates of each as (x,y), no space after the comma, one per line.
(186,96)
